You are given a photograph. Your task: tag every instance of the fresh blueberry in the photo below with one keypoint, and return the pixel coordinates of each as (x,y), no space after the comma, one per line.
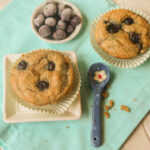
(75,20)
(61,25)
(59,35)
(66,14)
(39,20)
(50,10)
(50,21)
(44,31)
(70,29)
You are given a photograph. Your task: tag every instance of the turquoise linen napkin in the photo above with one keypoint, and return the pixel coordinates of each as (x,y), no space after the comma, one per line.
(16,36)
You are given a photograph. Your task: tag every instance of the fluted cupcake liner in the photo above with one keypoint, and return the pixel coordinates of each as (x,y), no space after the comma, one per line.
(61,106)
(117,62)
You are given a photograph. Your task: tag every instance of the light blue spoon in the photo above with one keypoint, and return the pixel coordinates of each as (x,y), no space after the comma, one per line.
(96,138)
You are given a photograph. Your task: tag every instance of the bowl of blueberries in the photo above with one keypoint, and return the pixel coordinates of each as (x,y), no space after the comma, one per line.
(56,21)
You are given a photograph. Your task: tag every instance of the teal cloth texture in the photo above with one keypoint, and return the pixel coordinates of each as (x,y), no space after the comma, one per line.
(16,36)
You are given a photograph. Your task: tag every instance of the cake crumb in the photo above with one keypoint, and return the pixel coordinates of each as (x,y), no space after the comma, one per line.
(124,107)
(106,114)
(107,107)
(135,100)
(67,126)
(105,94)
(111,103)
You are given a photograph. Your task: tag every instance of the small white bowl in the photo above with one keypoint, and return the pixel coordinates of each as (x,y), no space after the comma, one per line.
(39,10)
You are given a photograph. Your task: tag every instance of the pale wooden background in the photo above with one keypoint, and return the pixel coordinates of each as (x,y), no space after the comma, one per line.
(140,138)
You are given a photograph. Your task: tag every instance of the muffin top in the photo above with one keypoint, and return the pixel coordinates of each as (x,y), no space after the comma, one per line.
(122,33)
(42,77)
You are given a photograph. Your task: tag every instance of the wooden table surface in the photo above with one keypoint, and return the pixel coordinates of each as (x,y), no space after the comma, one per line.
(140,138)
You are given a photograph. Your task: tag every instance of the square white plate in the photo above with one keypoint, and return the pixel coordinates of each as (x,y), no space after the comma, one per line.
(15,113)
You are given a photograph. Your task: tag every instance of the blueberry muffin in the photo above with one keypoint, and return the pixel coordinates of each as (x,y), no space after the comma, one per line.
(42,77)
(122,33)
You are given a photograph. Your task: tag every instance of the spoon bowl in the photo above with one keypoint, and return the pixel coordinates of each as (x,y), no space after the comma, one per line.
(98,67)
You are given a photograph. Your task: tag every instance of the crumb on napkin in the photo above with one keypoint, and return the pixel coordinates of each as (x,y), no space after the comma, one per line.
(124,107)
(111,104)
(107,107)
(106,114)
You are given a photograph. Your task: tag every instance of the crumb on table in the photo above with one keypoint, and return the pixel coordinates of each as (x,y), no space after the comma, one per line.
(107,107)
(111,103)
(134,99)
(67,126)
(124,107)
(105,94)
(106,114)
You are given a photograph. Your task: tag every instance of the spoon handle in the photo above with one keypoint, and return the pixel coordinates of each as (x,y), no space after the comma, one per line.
(96,125)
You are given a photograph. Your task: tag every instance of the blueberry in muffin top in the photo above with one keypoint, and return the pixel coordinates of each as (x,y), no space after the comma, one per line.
(22,65)
(128,21)
(42,85)
(123,34)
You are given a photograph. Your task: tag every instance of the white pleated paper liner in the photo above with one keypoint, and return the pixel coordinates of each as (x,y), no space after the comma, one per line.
(122,63)
(61,106)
